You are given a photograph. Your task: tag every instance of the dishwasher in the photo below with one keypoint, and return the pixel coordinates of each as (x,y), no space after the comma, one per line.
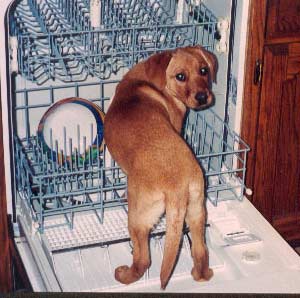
(61,62)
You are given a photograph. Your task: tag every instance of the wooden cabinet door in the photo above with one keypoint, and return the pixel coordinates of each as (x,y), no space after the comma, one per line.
(277,164)
(283,21)
(271,113)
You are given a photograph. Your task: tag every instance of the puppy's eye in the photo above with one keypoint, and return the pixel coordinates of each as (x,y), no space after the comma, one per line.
(203,71)
(180,77)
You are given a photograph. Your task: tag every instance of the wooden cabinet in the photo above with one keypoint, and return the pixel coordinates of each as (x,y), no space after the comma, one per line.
(277,173)
(5,253)
(274,169)
(283,21)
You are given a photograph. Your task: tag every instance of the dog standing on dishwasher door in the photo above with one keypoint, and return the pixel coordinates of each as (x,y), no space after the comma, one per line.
(142,132)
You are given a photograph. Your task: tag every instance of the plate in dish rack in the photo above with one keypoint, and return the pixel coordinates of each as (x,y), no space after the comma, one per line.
(72,125)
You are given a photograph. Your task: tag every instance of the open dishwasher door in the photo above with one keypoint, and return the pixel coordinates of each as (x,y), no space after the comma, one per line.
(67,196)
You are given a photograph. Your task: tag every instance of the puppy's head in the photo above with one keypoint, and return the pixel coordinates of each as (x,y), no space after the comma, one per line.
(189,76)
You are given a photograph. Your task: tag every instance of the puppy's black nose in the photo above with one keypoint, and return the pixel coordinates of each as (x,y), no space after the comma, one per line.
(201,97)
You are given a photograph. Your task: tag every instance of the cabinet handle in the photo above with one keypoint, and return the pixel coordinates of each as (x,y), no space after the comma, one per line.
(257,72)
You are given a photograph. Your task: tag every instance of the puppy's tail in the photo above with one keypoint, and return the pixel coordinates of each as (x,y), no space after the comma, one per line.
(175,214)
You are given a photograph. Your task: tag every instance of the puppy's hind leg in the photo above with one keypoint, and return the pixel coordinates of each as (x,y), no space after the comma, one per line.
(195,218)
(141,260)
(141,218)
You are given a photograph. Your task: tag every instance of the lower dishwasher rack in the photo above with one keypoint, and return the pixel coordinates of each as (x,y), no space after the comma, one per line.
(55,190)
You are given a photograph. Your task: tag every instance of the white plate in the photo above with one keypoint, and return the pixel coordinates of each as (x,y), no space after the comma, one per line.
(72,124)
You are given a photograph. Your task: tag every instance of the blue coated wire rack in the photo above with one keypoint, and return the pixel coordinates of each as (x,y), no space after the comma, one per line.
(57,41)
(63,55)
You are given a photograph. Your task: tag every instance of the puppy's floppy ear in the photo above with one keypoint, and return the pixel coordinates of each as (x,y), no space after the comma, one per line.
(156,67)
(208,57)
(211,61)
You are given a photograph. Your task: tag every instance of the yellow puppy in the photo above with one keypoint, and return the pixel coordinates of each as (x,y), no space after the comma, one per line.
(142,132)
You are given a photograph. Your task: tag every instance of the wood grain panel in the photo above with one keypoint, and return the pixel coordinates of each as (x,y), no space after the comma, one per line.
(251,102)
(286,183)
(293,67)
(283,19)
(289,227)
(5,257)
(268,128)
(294,49)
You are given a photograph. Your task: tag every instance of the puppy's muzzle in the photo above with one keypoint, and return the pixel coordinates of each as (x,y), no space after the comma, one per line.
(201,97)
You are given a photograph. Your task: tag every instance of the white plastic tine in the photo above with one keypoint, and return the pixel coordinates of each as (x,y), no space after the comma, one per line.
(71,153)
(78,138)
